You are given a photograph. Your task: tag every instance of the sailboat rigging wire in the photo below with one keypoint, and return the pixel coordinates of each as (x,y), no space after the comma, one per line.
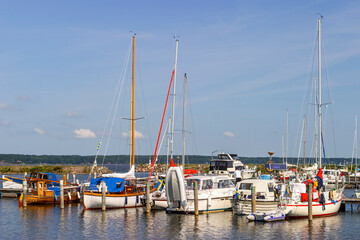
(108,117)
(118,92)
(308,90)
(162,140)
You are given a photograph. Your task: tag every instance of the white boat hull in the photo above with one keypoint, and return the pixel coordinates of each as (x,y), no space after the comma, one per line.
(243,207)
(95,201)
(300,210)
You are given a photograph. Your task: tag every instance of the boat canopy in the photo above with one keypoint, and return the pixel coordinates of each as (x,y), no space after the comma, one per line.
(112,184)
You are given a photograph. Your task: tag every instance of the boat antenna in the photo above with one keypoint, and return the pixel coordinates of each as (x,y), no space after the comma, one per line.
(322,17)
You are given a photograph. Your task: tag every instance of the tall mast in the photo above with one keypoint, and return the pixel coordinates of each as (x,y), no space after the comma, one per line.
(133,107)
(304,139)
(287,135)
(173,106)
(319,64)
(183,125)
(315,119)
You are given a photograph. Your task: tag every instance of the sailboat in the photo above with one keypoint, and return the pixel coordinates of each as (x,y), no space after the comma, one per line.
(326,201)
(123,190)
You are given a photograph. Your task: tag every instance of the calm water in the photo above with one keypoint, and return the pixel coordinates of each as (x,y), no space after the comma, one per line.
(50,222)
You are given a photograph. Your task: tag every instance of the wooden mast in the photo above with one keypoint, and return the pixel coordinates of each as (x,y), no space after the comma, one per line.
(133,107)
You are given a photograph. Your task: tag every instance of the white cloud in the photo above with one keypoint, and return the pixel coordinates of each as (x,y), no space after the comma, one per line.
(3,105)
(72,114)
(4,123)
(23,98)
(84,133)
(39,131)
(229,134)
(138,135)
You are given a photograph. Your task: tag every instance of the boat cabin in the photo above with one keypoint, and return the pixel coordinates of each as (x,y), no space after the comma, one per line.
(264,188)
(209,182)
(225,164)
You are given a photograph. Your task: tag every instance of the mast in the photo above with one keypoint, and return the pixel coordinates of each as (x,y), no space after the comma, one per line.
(287,134)
(319,65)
(173,106)
(304,138)
(183,125)
(133,107)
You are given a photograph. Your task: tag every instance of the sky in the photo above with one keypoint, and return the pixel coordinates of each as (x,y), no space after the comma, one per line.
(248,64)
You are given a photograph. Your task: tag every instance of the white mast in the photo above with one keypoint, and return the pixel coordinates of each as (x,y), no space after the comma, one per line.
(287,134)
(173,106)
(354,153)
(319,65)
(183,126)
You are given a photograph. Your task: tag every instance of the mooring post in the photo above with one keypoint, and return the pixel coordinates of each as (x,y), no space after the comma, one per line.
(24,193)
(61,194)
(25,174)
(103,196)
(94,174)
(309,192)
(196,198)
(148,207)
(74,180)
(337,182)
(253,199)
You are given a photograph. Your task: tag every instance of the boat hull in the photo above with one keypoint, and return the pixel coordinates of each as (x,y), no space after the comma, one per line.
(206,205)
(93,200)
(243,207)
(32,199)
(300,210)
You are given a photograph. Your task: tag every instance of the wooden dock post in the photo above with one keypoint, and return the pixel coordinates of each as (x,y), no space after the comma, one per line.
(253,199)
(61,194)
(309,192)
(148,207)
(103,196)
(94,174)
(196,198)
(74,180)
(25,174)
(24,193)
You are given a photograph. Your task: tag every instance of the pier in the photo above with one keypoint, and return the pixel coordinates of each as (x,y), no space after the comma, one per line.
(10,192)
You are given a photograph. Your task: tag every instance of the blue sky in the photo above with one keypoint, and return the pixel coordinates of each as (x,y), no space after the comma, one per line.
(247,63)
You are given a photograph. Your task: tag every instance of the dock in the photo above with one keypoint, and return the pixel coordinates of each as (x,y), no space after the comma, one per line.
(10,192)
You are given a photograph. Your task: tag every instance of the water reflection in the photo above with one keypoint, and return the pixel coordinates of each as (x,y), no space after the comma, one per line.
(50,222)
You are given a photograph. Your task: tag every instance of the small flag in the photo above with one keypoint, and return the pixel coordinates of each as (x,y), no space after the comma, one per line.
(237,194)
(98,146)
(160,185)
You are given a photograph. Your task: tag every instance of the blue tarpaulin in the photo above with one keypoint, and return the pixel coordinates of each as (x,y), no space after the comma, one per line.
(112,184)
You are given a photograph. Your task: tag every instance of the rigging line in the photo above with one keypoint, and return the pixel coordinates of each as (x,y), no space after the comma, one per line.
(192,119)
(106,122)
(162,140)
(122,77)
(144,102)
(332,114)
(300,145)
(307,92)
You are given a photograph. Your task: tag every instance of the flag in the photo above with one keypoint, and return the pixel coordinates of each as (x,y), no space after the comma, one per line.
(160,185)
(237,194)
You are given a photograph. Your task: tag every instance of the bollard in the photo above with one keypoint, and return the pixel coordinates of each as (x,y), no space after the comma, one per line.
(74,180)
(148,207)
(24,193)
(196,198)
(309,192)
(61,194)
(253,199)
(94,174)
(25,174)
(103,196)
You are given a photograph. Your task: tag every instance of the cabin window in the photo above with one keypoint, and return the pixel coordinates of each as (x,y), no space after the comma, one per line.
(230,164)
(226,183)
(207,184)
(127,183)
(40,185)
(118,184)
(45,176)
(33,175)
(34,185)
(135,190)
(245,186)
(190,183)
(271,187)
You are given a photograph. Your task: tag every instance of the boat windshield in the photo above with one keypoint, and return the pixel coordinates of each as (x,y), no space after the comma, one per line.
(225,183)
(245,186)
(190,183)
(221,165)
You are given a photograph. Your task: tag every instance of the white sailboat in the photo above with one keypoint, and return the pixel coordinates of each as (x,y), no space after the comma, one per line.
(293,196)
(123,190)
